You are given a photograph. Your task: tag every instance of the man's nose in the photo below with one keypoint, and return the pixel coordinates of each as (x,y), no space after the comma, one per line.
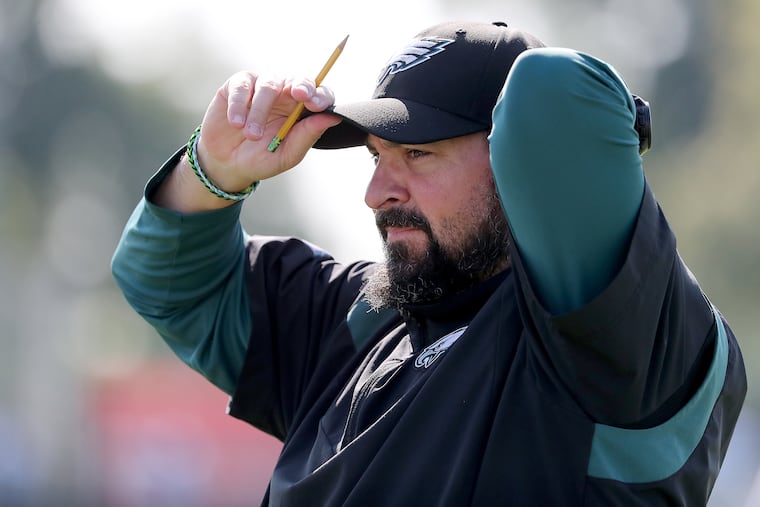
(387,186)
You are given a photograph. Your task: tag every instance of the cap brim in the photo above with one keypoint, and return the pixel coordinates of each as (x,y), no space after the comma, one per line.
(395,120)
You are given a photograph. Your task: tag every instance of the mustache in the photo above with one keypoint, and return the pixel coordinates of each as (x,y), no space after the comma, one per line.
(400,217)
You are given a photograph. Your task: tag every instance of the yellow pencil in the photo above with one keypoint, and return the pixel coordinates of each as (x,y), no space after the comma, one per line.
(291,120)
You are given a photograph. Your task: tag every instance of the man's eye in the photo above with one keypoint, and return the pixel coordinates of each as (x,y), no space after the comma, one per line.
(416,153)
(375,157)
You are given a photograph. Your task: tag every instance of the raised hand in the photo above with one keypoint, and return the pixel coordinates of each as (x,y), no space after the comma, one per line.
(240,122)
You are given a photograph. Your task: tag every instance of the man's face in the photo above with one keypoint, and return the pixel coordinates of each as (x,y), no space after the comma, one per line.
(440,219)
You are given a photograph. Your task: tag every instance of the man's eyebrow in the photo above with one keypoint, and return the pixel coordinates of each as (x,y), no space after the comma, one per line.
(388,144)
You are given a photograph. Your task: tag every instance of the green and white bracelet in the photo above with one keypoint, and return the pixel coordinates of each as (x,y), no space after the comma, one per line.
(192,158)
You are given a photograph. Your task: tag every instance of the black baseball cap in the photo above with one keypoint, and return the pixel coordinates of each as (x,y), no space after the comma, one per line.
(442,84)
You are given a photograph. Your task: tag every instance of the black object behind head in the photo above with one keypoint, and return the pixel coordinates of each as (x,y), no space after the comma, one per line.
(643,124)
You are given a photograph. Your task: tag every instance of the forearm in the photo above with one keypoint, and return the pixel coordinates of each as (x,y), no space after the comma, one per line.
(566,164)
(183,274)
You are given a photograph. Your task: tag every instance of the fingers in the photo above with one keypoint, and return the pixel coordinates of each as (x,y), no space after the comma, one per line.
(315,98)
(238,91)
(251,99)
(266,92)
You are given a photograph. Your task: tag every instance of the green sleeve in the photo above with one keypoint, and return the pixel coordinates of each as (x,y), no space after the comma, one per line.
(566,164)
(184,275)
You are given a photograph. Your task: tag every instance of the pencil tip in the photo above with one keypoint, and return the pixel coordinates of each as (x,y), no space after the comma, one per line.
(343,42)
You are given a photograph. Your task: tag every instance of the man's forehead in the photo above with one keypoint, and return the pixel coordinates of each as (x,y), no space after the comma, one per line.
(373,141)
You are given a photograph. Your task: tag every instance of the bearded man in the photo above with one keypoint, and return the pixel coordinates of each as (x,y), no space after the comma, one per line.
(532,338)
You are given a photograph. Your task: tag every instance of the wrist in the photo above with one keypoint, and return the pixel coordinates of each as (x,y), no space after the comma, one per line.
(193,161)
(182,191)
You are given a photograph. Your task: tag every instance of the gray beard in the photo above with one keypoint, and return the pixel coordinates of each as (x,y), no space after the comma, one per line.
(403,280)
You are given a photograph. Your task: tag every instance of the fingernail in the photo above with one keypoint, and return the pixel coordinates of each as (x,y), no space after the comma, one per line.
(304,89)
(238,119)
(255,129)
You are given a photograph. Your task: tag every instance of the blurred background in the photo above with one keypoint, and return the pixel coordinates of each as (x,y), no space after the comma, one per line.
(94,96)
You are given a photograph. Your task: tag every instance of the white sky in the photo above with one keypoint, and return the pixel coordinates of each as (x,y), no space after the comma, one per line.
(162,42)
(158,41)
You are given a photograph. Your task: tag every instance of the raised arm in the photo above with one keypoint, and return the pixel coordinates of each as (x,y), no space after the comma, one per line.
(567,167)
(618,313)
(181,260)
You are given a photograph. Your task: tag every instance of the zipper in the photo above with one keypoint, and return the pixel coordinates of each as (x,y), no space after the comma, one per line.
(382,373)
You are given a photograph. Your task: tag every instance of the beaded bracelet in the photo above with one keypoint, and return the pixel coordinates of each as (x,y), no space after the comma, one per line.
(192,158)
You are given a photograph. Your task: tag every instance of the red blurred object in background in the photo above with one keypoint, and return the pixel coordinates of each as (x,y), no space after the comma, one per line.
(164,439)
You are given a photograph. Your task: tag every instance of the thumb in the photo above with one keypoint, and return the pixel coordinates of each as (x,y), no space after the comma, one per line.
(304,134)
(316,125)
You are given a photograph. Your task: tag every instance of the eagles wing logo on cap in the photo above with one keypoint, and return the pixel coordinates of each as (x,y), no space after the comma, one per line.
(414,54)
